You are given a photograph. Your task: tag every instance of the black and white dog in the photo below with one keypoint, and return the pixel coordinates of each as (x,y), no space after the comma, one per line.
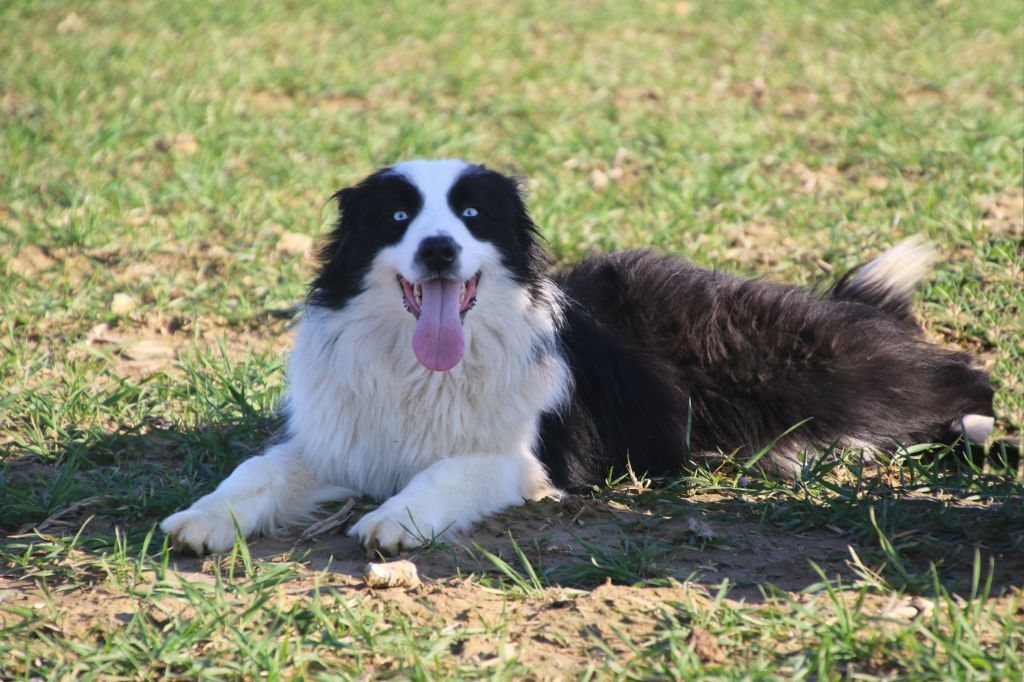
(440,368)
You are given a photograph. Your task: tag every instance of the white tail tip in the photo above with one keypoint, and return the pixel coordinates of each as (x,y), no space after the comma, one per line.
(898,269)
(977,427)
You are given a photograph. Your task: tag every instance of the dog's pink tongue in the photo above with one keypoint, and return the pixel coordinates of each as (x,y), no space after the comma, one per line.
(438,341)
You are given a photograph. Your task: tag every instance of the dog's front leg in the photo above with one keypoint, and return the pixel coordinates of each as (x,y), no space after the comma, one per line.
(450,496)
(262,494)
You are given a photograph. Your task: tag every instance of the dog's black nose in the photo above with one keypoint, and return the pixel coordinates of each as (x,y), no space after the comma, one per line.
(437,253)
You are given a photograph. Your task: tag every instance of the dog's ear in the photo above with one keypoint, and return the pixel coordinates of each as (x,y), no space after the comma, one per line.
(338,236)
(343,197)
(522,184)
(528,229)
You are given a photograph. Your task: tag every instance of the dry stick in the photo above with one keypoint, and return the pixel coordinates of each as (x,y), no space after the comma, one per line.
(336,519)
(70,509)
(583,508)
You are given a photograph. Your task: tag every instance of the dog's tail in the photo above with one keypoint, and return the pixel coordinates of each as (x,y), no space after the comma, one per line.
(888,282)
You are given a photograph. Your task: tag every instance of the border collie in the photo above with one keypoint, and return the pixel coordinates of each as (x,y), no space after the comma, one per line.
(440,368)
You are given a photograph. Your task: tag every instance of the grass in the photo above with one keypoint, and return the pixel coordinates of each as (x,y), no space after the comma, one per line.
(160,165)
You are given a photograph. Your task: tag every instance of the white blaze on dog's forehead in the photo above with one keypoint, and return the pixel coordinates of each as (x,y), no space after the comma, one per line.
(432,178)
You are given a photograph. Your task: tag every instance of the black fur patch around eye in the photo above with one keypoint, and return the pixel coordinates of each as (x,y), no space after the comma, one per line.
(502,220)
(365,225)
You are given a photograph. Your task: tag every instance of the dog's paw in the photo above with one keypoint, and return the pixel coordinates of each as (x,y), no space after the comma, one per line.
(382,532)
(206,528)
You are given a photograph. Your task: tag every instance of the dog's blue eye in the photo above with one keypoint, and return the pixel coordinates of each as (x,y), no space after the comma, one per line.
(470,212)
(400,216)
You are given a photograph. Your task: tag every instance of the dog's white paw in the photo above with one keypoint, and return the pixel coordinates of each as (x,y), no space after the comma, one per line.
(388,533)
(203,528)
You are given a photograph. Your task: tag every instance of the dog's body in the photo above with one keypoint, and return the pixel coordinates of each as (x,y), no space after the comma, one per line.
(505,384)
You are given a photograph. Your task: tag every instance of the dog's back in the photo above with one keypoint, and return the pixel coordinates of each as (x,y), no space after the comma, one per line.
(719,363)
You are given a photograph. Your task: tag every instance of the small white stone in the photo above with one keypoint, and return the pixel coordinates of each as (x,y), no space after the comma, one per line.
(122,303)
(391,574)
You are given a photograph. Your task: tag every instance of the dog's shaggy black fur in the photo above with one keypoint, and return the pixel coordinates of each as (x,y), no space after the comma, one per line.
(669,359)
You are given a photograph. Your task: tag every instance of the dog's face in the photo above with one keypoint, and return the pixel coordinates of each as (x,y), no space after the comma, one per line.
(430,233)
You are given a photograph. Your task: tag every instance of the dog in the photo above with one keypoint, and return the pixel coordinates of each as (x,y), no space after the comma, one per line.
(441,368)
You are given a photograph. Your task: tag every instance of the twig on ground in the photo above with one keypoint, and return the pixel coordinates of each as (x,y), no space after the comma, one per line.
(73,508)
(332,522)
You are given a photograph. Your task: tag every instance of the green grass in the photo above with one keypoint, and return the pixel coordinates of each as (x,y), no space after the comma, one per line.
(162,150)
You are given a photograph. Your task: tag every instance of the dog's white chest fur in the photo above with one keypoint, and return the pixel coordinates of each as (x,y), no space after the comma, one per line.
(366,415)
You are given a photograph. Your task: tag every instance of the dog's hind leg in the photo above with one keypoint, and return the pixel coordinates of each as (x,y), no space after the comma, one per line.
(263,494)
(450,496)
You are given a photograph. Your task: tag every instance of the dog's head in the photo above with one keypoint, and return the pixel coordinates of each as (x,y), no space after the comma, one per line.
(433,234)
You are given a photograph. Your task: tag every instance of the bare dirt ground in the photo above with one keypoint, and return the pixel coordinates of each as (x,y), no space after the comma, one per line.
(694,546)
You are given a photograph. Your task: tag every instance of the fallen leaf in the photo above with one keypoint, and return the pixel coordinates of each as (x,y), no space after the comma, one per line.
(268,102)
(599,180)
(295,243)
(683,9)
(620,157)
(183,143)
(877,183)
(144,356)
(909,609)
(146,350)
(72,23)
(101,334)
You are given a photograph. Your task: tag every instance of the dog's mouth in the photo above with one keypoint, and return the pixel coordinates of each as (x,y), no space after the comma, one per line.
(439,306)
(412,294)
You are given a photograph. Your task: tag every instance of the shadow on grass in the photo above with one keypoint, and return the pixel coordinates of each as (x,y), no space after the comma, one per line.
(128,478)
(890,524)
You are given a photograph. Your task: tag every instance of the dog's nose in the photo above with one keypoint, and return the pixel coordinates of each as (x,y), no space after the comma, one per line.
(437,253)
